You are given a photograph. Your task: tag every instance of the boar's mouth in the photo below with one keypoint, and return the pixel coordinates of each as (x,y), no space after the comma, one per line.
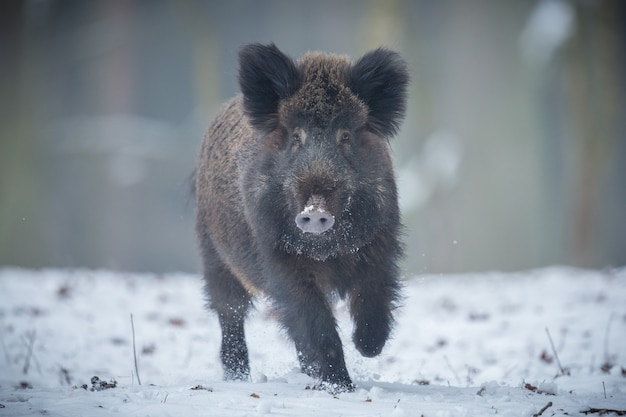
(317,233)
(317,239)
(314,218)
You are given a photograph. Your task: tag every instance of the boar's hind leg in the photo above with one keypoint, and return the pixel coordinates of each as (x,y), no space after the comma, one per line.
(234,351)
(231,301)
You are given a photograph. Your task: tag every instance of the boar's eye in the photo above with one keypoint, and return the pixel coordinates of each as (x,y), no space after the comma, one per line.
(298,137)
(343,137)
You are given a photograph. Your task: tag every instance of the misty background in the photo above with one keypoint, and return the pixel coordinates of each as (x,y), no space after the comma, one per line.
(512,155)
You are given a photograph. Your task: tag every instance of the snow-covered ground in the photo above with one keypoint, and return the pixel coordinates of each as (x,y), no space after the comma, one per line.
(464,345)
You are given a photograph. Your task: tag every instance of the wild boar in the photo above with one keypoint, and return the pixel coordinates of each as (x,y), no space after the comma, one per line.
(296,199)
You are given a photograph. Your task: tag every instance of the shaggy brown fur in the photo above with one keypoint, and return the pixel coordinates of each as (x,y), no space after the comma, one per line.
(305,142)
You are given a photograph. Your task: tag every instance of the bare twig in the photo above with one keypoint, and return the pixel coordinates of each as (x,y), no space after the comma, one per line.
(64,375)
(556,356)
(543,409)
(607,357)
(4,349)
(603,411)
(132,325)
(30,336)
(458,380)
(604,389)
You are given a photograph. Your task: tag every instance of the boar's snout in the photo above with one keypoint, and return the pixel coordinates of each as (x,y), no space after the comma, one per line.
(314,221)
(314,218)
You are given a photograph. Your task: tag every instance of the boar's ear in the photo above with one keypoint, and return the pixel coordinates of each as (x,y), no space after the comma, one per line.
(266,75)
(380,78)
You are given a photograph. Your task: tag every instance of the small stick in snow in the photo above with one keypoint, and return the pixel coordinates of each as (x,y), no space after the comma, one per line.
(556,356)
(31,336)
(606,337)
(543,409)
(132,325)
(608,363)
(458,380)
(604,411)
(4,349)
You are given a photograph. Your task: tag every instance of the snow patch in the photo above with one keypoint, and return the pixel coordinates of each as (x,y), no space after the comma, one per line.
(463,345)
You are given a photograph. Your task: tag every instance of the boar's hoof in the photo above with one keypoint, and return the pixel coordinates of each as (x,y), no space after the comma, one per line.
(337,387)
(314,220)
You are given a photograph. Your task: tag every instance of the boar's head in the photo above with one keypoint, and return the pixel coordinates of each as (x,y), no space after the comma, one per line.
(322,182)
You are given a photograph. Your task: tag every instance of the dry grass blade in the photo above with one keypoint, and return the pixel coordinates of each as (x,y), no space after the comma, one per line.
(132,325)
(556,356)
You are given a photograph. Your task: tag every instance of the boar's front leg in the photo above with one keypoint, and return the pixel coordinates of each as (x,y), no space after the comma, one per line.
(308,319)
(372,302)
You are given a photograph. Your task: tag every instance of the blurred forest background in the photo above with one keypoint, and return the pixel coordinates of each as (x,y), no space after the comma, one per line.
(512,156)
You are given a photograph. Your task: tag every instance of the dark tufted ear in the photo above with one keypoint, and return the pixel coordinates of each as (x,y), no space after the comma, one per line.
(380,78)
(266,75)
